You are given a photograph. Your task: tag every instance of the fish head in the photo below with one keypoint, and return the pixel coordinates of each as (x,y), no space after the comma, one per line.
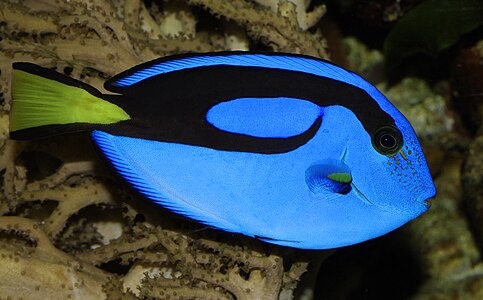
(378,182)
(390,174)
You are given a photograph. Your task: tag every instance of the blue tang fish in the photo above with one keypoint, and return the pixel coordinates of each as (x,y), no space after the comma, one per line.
(289,149)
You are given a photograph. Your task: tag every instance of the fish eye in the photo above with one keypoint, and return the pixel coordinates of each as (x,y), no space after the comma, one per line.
(387,140)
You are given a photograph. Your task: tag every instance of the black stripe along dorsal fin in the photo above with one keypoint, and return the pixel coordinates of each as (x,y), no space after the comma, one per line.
(170,97)
(174,107)
(282,61)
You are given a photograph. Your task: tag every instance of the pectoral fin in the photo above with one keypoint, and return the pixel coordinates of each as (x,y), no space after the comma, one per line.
(328,175)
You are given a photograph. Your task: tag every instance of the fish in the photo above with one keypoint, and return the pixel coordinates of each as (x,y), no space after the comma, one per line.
(285,148)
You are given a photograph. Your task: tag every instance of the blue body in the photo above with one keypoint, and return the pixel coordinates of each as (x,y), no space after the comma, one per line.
(272,196)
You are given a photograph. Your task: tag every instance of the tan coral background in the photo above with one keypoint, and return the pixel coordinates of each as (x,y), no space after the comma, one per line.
(70,230)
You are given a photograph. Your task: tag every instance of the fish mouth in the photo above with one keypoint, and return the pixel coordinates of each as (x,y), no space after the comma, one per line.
(428,202)
(426,199)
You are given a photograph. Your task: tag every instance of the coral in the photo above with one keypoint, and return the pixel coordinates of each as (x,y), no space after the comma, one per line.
(467,78)
(467,75)
(473,186)
(305,20)
(361,59)
(279,33)
(31,265)
(67,230)
(450,259)
(426,107)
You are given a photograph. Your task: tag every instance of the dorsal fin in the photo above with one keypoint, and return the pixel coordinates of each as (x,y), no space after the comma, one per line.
(282,61)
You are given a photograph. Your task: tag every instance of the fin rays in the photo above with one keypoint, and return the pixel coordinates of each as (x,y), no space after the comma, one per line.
(142,183)
(328,175)
(42,101)
(286,62)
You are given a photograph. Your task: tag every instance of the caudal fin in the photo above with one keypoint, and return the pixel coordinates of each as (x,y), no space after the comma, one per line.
(46,103)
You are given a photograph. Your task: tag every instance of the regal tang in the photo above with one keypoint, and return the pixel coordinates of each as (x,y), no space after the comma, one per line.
(289,149)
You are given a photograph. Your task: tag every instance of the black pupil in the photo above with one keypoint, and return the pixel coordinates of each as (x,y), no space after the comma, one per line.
(388,141)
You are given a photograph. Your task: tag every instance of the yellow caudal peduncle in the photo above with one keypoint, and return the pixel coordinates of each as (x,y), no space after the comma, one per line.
(39,101)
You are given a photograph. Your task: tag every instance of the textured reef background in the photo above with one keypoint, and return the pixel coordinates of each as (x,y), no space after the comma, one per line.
(70,230)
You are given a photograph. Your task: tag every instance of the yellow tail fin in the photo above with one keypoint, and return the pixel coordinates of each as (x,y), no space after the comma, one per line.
(39,100)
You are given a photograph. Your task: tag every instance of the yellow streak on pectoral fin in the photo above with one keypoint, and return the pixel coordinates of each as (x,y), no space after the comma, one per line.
(340,177)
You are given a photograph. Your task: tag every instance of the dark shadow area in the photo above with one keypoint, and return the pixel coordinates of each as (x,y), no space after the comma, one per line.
(383,268)
(39,164)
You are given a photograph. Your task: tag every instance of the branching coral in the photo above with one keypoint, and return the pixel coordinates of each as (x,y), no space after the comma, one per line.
(36,268)
(305,19)
(280,33)
(66,231)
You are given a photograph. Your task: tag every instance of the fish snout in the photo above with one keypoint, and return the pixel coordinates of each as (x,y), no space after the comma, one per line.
(424,200)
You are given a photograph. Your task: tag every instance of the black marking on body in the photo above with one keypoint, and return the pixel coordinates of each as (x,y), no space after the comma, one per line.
(172,107)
